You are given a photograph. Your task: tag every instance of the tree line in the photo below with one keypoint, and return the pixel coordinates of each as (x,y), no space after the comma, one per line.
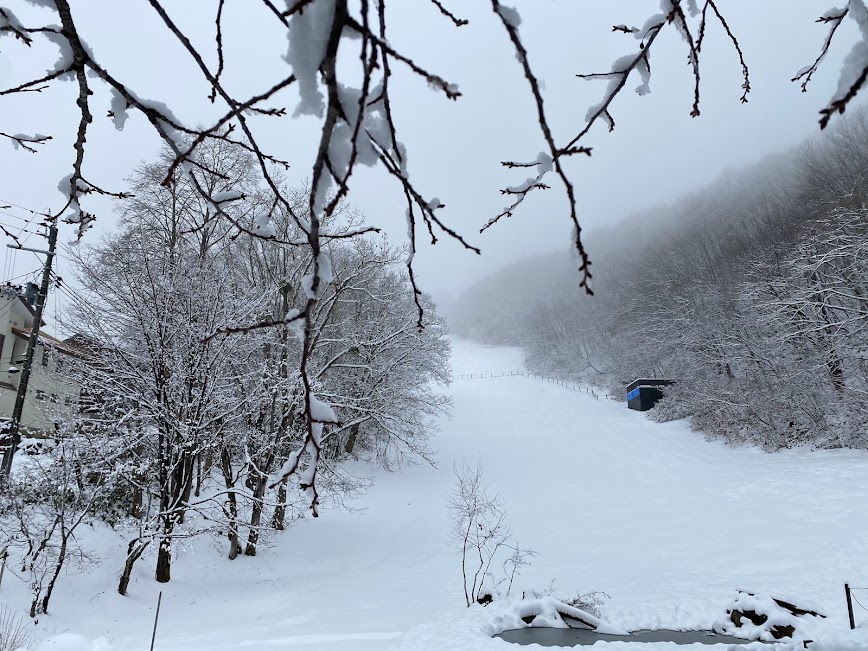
(752,294)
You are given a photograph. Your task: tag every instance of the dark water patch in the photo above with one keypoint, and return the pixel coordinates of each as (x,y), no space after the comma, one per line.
(581,637)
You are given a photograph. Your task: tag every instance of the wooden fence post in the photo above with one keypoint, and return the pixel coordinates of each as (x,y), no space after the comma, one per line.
(156,618)
(849,606)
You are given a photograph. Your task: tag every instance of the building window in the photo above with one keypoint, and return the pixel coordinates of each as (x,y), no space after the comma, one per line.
(46,355)
(53,398)
(68,401)
(40,394)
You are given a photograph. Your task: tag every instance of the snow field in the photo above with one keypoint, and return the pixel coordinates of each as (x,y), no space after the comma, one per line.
(666,523)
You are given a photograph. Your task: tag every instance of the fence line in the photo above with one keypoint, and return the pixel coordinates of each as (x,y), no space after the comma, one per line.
(536,376)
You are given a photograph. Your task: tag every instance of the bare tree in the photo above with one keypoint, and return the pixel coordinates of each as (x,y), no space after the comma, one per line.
(480,530)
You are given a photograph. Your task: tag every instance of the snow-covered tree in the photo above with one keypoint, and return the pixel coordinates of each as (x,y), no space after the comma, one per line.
(197,395)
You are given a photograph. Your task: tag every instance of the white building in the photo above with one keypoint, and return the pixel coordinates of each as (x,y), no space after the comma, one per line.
(50,395)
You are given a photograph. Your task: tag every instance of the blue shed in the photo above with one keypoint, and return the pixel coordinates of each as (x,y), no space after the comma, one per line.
(642,394)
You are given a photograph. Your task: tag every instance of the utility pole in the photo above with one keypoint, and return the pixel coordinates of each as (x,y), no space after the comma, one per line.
(15,430)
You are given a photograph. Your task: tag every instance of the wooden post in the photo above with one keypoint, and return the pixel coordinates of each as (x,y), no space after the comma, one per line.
(849,605)
(4,555)
(156,618)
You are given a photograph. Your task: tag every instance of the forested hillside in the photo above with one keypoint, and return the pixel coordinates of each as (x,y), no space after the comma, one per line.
(751,293)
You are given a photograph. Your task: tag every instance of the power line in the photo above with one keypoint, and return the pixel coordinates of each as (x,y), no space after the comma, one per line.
(68,291)
(28,273)
(12,203)
(14,216)
(20,229)
(27,222)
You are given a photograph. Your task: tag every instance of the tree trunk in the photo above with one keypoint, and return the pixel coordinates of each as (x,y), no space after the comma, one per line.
(136,508)
(134,551)
(164,562)
(351,441)
(234,542)
(61,557)
(198,490)
(278,520)
(226,467)
(232,502)
(185,483)
(164,552)
(256,516)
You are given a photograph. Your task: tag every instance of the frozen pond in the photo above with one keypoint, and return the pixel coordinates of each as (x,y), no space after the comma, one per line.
(582,637)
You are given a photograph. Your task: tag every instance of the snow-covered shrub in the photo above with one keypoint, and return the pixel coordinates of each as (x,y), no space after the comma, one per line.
(546,612)
(590,602)
(42,505)
(762,617)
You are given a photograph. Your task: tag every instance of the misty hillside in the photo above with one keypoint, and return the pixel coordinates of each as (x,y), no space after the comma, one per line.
(752,294)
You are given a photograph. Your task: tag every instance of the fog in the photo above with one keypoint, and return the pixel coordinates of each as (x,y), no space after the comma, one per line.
(656,153)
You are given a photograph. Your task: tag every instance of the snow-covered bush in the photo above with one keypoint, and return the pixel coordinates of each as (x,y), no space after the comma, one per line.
(762,617)
(546,612)
(590,602)
(41,507)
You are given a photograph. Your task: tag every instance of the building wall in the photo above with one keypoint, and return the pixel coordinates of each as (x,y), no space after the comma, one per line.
(51,398)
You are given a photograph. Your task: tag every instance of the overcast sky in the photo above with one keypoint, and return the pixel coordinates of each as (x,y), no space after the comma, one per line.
(656,153)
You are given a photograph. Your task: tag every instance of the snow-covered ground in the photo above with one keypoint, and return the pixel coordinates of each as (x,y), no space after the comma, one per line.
(666,523)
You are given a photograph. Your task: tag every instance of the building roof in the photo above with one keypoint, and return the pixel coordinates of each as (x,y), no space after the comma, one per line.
(47,338)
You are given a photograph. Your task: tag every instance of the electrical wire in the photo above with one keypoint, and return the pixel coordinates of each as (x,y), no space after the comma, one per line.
(34,212)
(28,273)
(68,291)
(14,216)
(20,229)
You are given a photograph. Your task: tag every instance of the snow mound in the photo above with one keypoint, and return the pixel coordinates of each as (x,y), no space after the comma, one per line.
(73,642)
(850,641)
(762,617)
